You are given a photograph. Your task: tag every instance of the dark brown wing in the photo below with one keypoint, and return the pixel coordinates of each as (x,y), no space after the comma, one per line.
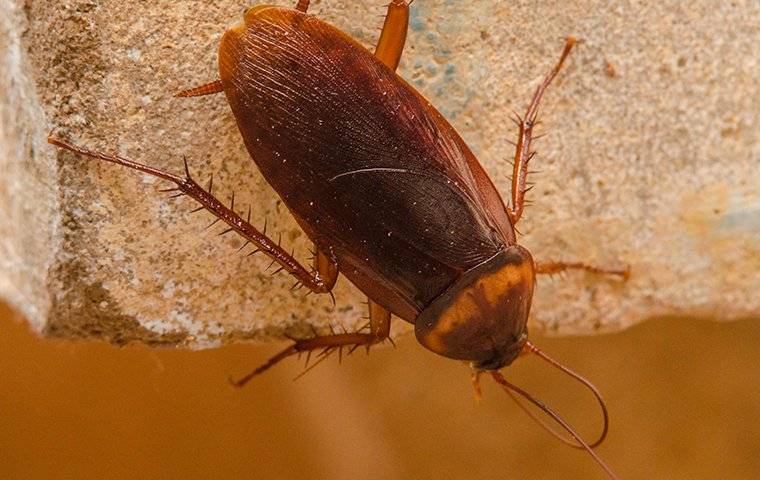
(370,170)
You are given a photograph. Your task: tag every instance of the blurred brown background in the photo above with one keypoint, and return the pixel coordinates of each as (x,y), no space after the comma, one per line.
(683,397)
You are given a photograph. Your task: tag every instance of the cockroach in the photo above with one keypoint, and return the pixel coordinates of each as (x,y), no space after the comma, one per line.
(386,189)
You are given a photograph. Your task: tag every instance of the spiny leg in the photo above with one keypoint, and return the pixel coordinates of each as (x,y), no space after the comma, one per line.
(303,5)
(207,89)
(523,153)
(552,267)
(188,186)
(379,331)
(393,36)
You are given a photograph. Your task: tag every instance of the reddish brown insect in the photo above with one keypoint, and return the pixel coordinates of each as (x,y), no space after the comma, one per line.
(385,188)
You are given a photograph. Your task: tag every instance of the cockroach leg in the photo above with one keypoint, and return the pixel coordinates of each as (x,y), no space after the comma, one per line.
(379,331)
(207,89)
(326,268)
(189,187)
(552,267)
(393,36)
(303,5)
(379,321)
(523,152)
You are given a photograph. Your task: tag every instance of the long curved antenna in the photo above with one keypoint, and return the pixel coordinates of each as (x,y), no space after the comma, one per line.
(507,386)
(530,348)
(545,425)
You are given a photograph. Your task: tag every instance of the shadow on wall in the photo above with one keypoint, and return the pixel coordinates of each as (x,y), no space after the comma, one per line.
(682,396)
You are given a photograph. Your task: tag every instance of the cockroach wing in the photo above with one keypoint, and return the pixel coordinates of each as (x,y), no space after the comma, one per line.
(375,175)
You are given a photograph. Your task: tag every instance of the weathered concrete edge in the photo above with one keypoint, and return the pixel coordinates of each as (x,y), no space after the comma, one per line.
(30,179)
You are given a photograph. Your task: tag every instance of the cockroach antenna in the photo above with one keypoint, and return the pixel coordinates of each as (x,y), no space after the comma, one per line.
(577,441)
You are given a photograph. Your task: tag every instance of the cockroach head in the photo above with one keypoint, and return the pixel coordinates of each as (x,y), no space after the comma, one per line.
(483,317)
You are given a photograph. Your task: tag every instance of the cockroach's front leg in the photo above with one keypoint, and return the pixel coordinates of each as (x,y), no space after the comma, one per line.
(552,267)
(523,152)
(188,186)
(379,331)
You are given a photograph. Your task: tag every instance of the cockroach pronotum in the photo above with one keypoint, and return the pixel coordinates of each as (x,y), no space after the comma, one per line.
(386,189)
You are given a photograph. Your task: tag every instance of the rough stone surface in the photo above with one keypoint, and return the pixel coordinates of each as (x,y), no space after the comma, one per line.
(651,160)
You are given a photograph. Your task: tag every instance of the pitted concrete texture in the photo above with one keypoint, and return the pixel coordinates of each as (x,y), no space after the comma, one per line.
(651,160)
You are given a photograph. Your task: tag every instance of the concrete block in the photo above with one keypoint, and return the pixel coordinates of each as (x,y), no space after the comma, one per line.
(651,160)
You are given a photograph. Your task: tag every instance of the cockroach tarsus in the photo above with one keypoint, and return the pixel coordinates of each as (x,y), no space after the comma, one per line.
(386,189)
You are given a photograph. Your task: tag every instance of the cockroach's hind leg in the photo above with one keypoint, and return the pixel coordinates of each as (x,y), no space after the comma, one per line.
(189,187)
(379,331)
(393,36)
(199,91)
(523,151)
(553,267)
